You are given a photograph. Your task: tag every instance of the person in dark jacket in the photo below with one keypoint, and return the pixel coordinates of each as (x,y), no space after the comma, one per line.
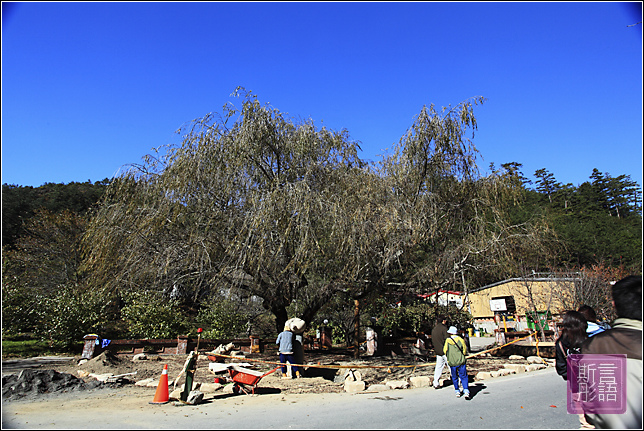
(573,334)
(624,338)
(439,336)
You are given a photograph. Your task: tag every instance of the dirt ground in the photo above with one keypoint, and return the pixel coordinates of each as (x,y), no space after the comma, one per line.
(325,372)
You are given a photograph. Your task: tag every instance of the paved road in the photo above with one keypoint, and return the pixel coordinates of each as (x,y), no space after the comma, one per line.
(531,400)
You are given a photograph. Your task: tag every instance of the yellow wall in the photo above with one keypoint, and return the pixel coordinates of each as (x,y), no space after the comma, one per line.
(542,293)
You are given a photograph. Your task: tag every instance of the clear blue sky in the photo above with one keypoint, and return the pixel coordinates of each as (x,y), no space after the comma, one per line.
(90,87)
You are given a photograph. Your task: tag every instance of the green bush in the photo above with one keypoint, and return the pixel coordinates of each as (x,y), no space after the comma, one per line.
(65,316)
(150,315)
(222,319)
(19,306)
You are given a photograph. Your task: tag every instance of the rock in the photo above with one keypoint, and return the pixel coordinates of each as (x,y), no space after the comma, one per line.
(144,382)
(534,360)
(176,394)
(195,385)
(194,397)
(354,386)
(228,389)
(82,361)
(495,374)
(398,384)
(420,381)
(519,368)
(506,371)
(139,357)
(378,388)
(210,387)
(535,367)
(82,373)
(482,375)
(518,357)
(153,383)
(352,375)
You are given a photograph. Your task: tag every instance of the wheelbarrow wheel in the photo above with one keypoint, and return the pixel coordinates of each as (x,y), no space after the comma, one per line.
(237,389)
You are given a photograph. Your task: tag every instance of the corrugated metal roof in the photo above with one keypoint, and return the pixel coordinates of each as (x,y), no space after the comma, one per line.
(551,277)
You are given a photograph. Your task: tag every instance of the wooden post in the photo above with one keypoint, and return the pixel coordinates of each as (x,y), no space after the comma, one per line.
(356,337)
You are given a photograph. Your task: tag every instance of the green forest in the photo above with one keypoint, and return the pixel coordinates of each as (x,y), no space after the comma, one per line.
(255,218)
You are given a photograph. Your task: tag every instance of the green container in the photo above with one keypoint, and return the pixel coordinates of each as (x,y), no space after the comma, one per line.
(540,316)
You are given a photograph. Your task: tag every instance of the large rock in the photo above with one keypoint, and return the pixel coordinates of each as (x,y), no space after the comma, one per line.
(519,368)
(352,375)
(354,386)
(482,375)
(420,381)
(535,360)
(139,357)
(194,397)
(506,371)
(517,357)
(144,382)
(535,367)
(398,384)
(210,387)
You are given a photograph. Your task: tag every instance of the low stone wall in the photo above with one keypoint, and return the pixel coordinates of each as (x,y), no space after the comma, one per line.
(179,346)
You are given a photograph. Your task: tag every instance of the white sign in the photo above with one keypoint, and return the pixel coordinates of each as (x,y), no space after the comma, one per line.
(497,305)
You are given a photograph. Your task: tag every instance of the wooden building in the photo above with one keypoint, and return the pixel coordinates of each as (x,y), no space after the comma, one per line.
(510,299)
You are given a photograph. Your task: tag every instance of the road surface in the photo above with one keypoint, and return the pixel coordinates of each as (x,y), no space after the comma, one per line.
(528,400)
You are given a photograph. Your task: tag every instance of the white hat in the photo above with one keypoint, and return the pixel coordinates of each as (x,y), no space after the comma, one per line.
(452,330)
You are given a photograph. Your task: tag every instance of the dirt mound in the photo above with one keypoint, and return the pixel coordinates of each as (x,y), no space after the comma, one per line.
(30,383)
(108,362)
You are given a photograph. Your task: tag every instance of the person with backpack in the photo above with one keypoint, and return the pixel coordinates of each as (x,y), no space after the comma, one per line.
(455,350)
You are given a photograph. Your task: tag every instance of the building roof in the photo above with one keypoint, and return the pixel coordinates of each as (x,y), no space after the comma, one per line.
(535,277)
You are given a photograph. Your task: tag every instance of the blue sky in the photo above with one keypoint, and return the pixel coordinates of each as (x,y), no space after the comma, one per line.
(90,87)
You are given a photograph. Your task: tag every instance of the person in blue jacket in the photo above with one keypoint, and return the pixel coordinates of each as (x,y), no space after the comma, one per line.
(591,317)
(285,342)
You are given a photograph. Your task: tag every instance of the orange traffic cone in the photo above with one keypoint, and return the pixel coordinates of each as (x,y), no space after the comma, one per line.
(162,396)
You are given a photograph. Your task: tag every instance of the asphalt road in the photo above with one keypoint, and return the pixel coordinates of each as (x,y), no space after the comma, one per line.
(524,401)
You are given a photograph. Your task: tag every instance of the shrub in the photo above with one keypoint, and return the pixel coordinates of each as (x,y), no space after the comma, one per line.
(69,313)
(222,319)
(150,315)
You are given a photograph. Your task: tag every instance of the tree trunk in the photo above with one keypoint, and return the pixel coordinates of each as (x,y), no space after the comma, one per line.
(281,316)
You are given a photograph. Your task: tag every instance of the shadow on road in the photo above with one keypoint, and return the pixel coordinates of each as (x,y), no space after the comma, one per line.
(476,388)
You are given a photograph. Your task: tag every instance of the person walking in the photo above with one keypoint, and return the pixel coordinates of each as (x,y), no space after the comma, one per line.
(591,317)
(439,335)
(285,350)
(573,334)
(624,338)
(455,351)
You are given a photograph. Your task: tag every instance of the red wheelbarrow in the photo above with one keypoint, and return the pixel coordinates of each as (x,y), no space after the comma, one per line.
(245,380)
